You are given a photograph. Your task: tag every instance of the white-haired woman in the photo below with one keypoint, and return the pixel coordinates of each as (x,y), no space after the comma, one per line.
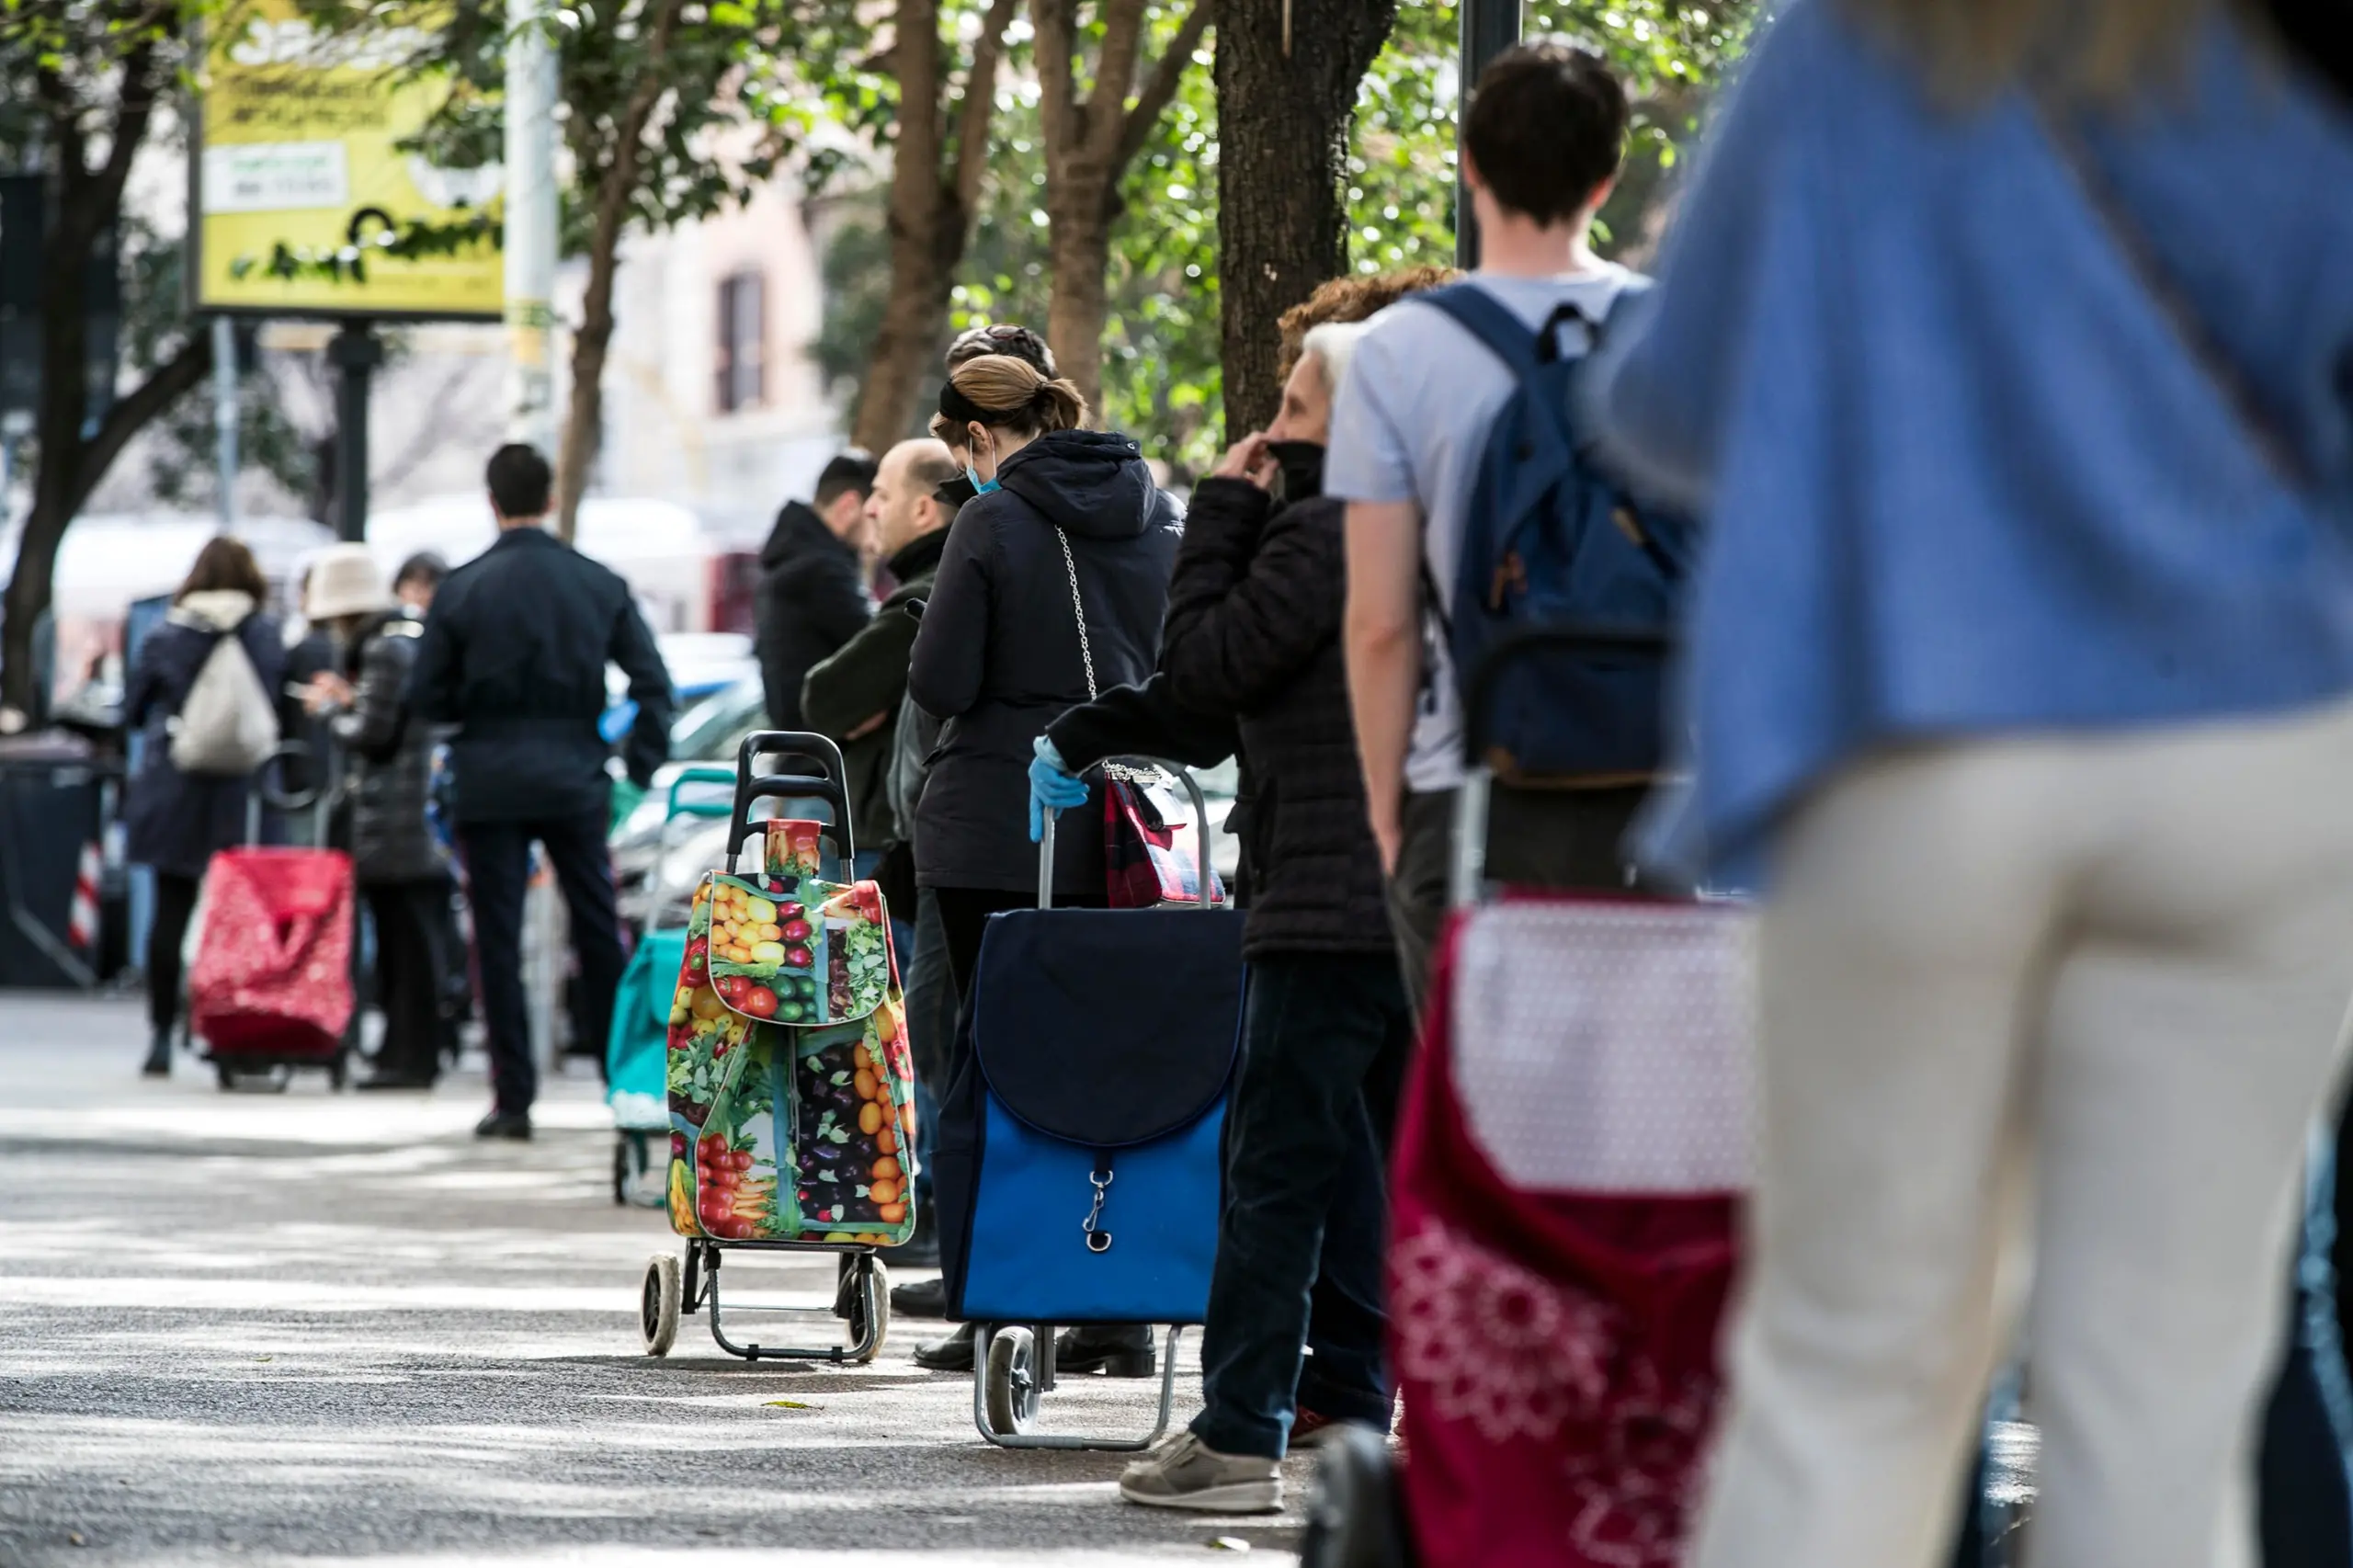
(2023,673)
(1250,663)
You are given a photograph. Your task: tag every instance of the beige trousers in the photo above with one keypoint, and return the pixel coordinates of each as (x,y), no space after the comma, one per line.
(2073,1000)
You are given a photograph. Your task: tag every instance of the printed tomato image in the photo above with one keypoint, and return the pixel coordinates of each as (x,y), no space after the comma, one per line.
(760,1002)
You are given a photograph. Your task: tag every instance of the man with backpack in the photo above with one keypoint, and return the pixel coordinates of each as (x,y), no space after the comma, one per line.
(1412,448)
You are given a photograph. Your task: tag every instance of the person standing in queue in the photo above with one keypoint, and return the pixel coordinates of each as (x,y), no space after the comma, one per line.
(513,654)
(812,584)
(175,821)
(1067,522)
(394,858)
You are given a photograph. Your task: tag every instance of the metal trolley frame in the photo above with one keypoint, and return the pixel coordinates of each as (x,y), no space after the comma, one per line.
(674,1287)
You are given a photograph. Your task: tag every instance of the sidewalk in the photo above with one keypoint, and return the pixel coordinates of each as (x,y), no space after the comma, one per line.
(322,1328)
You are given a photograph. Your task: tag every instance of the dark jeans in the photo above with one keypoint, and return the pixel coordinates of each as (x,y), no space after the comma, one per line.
(409,981)
(174,903)
(931,1023)
(498,865)
(1548,839)
(1325,1040)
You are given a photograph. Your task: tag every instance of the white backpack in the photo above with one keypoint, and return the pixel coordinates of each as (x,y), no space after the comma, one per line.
(228,726)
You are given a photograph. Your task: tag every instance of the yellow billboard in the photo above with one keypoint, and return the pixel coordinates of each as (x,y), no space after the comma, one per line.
(298,161)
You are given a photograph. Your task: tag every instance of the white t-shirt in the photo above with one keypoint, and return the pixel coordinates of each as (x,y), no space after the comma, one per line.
(1410,424)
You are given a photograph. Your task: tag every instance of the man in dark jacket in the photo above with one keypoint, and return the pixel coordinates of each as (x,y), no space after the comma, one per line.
(812,584)
(514,654)
(853,696)
(1251,651)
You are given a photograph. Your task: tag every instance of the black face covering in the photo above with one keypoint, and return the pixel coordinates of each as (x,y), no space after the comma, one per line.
(1303,466)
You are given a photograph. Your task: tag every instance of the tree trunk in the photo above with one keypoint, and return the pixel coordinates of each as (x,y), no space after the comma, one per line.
(1283,123)
(1079,218)
(616,184)
(932,197)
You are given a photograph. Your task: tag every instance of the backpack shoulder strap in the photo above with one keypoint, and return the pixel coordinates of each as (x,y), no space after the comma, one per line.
(1487,319)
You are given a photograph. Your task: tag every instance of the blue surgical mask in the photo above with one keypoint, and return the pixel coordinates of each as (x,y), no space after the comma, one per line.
(980,486)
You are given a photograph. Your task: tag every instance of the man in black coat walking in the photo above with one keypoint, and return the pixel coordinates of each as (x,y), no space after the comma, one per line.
(514,656)
(812,584)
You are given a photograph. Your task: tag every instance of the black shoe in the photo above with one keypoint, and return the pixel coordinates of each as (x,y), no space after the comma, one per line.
(159,1056)
(512,1125)
(924,1299)
(394,1081)
(953,1354)
(1117,1350)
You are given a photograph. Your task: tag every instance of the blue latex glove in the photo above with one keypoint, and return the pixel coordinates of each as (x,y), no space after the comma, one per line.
(1053,786)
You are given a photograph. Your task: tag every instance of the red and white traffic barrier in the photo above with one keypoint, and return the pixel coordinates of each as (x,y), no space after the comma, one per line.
(82,921)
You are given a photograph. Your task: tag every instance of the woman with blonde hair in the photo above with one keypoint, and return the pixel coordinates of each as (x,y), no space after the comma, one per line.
(2006,345)
(1051,589)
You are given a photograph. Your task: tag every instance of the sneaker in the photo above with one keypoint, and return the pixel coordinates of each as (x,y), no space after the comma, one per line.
(1185,1472)
(512,1125)
(1313,1429)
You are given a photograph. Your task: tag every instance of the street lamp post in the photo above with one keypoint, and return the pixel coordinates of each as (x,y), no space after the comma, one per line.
(1489,26)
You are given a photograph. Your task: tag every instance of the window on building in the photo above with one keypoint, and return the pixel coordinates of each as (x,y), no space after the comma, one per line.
(743,367)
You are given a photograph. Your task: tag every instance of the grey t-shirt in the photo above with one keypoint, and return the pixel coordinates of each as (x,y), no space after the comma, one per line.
(1410,424)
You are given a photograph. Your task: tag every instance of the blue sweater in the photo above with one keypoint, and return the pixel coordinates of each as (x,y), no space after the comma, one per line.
(1962,476)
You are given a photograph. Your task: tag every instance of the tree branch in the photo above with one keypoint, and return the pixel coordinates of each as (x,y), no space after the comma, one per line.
(165,385)
(1161,90)
(137,108)
(1055,54)
(980,105)
(1115,69)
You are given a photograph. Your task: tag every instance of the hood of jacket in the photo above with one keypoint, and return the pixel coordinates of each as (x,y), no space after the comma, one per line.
(1090,482)
(214,609)
(799,531)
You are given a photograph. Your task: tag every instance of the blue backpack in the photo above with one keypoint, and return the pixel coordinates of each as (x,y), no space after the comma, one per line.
(1552,544)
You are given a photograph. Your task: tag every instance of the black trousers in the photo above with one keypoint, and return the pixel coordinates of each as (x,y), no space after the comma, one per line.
(498,864)
(409,978)
(1301,1232)
(174,903)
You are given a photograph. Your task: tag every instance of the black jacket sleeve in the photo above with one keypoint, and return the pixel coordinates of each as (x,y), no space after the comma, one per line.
(648,747)
(1250,604)
(373,724)
(953,641)
(865,679)
(1142,720)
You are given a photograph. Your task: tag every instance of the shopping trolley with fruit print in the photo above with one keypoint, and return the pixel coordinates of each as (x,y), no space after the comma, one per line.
(790,1085)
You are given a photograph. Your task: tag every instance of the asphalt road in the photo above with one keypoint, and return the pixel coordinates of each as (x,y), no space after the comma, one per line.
(324,1327)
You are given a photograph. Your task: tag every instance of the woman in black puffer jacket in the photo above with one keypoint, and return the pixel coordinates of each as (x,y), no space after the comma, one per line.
(387,766)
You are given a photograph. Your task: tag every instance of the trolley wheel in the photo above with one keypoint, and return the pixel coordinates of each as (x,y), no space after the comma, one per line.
(870,1308)
(657,1309)
(223,1075)
(1010,1380)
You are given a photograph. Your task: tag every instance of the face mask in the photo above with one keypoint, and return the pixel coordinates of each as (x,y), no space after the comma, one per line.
(1303,468)
(980,486)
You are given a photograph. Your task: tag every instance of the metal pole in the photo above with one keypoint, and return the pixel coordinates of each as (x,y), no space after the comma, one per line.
(355,353)
(530,225)
(1489,26)
(224,417)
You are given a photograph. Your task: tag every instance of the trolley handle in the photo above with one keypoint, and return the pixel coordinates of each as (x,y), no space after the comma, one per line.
(1212,897)
(1469,869)
(826,781)
(265,793)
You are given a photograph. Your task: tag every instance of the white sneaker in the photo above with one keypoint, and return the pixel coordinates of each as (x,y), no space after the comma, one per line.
(1185,1472)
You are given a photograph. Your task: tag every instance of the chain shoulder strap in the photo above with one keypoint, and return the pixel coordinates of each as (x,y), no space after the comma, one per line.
(1078,613)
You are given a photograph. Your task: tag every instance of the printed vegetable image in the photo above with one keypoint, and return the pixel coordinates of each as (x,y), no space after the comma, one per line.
(794,848)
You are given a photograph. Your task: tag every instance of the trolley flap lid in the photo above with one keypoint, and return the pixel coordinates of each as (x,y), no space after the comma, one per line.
(1109,1029)
(790,950)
